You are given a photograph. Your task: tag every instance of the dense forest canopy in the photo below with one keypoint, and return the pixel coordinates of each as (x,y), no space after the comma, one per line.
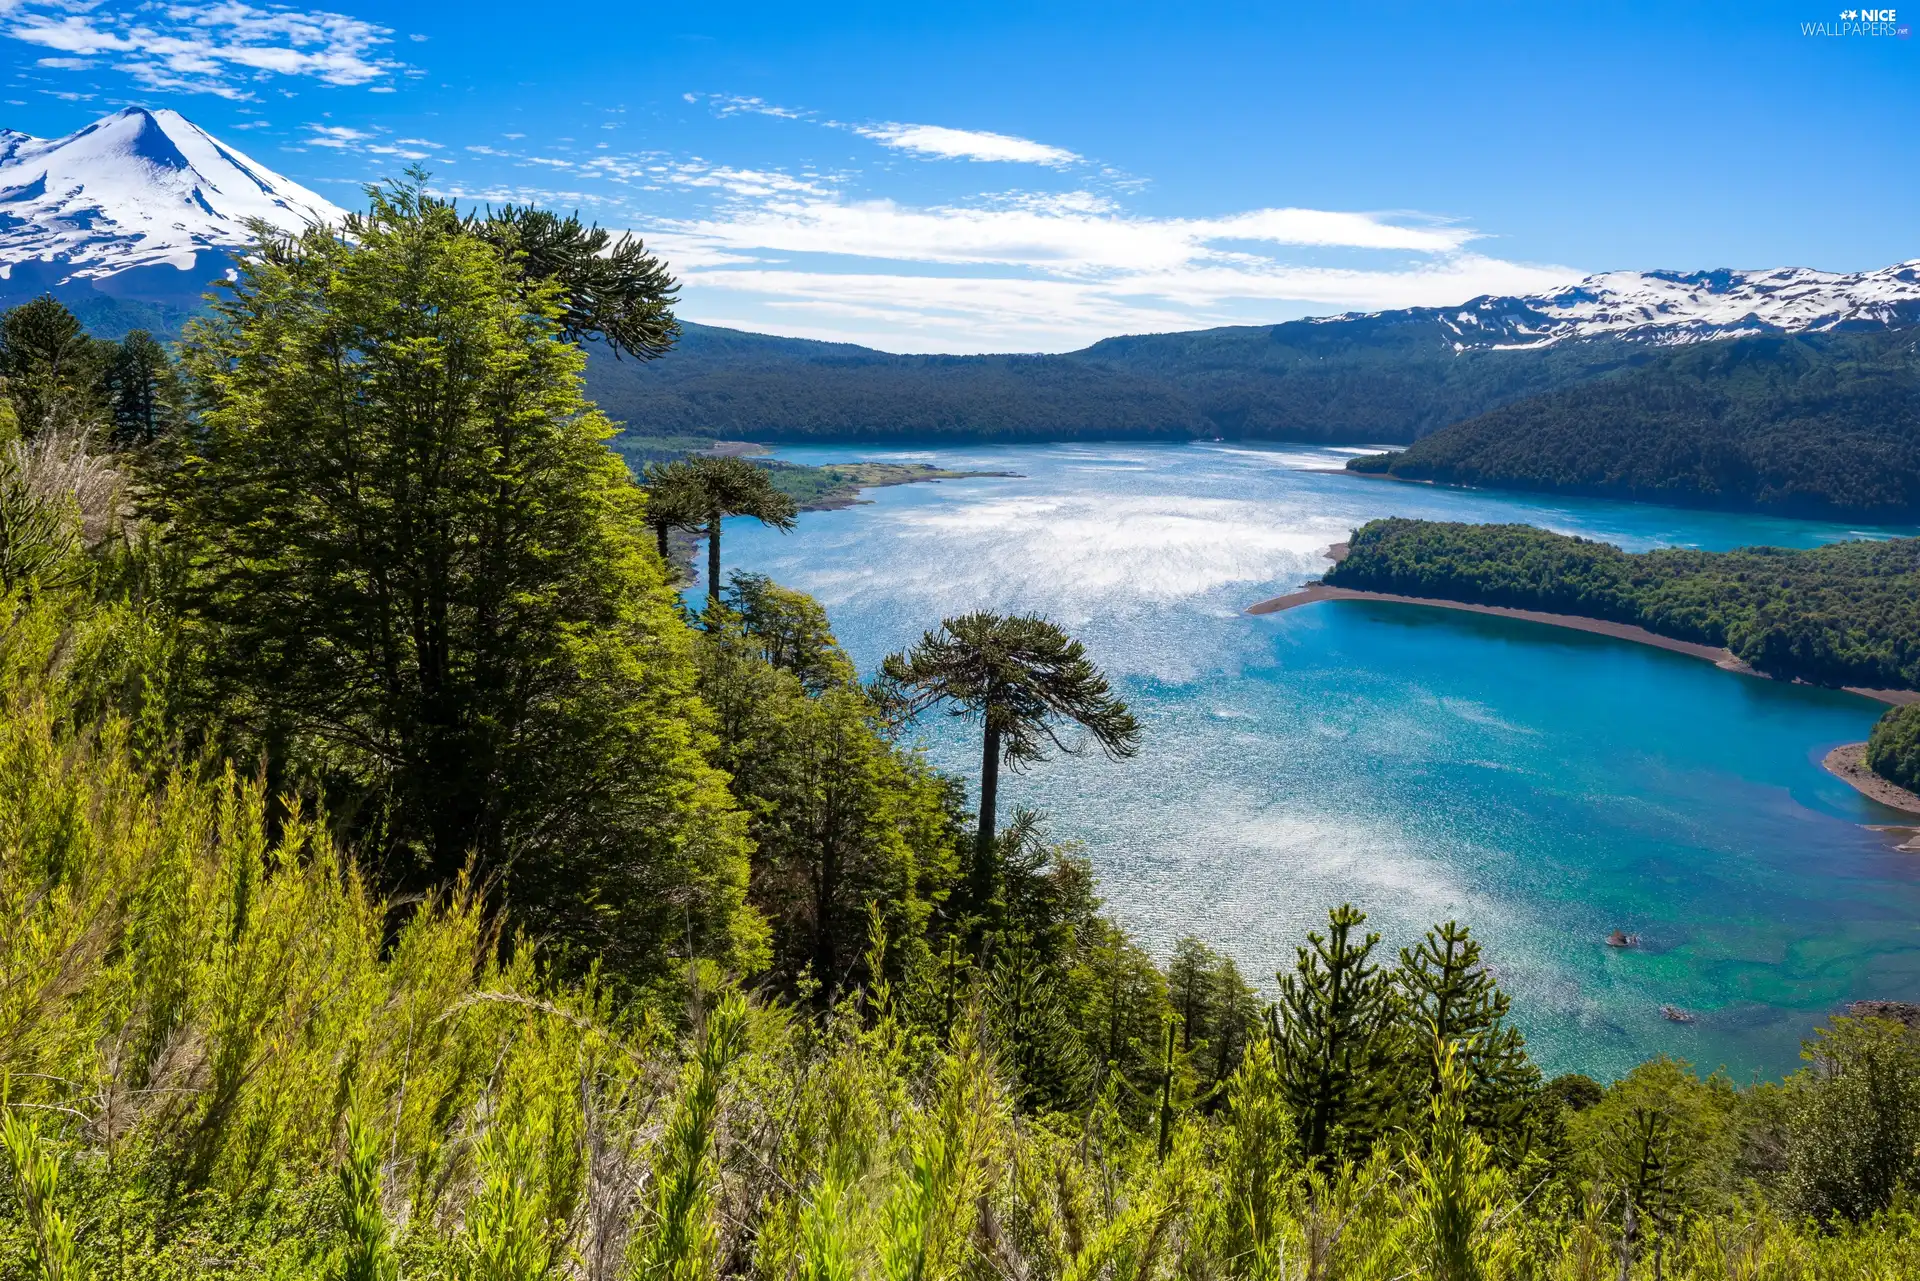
(1823,425)
(1365,380)
(1841,614)
(403,881)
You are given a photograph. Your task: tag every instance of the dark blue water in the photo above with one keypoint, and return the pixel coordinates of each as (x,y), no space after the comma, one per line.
(1544,786)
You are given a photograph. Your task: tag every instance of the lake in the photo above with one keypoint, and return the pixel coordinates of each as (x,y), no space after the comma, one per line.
(1541,785)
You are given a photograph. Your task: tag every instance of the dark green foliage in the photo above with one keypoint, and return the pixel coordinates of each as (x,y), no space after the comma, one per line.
(615,292)
(1893,749)
(1393,377)
(145,397)
(1823,425)
(1573,1091)
(1218,1013)
(52,368)
(1337,1039)
(1016,676)
(1452,1000)
(844,823)
(1841,614)
(673,502)
(716,488)
(421,584)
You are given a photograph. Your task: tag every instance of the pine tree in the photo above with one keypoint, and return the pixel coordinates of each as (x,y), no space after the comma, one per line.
(1452,999)
(673,503)
(52,368)
(1336,1041)
(145,398)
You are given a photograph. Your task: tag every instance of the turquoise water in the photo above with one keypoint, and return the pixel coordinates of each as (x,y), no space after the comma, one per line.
(1544,786)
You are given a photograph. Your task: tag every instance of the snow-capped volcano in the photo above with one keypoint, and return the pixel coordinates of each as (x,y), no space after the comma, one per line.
(136,189)
(1681,307)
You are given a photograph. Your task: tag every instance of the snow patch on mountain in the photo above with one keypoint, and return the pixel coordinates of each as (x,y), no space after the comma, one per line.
(1671,307)
(137,189)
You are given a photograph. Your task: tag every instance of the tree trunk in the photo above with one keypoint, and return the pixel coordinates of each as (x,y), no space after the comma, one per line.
(660,534)
(982,877)
(713,559)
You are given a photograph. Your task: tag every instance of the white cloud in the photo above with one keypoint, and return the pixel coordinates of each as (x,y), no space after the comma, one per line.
(1071,234)
(343,138)
(1053,272)
(218,47)
(337,136)
(966,144)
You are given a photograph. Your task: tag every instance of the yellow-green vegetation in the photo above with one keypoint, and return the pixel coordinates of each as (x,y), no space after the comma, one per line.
(1893,749)
(400,883)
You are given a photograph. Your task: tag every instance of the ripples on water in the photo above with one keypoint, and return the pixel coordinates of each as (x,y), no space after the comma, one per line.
(1542,785)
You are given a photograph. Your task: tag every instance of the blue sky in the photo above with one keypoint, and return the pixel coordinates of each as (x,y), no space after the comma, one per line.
(1033,177)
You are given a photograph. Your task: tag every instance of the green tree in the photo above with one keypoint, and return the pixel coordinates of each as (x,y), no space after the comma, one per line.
(1662,1139)
(52,368)
(839,816)
(673,502)
(612,290)
(1336,1041)
(1855,1119)
(790,629)
(421,582)
(1451,999)
(145,398)
(1017,677)
(723,487)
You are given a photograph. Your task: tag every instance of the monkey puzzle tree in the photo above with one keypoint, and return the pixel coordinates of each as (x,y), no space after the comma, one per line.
(723,487)
(1018,677)
(673,501)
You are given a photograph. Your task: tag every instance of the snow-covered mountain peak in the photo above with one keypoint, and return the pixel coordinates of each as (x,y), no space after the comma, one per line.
(1680,307)
(137,188)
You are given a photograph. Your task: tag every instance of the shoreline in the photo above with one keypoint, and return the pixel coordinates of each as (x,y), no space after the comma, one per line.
(1848,763)
(1719,656)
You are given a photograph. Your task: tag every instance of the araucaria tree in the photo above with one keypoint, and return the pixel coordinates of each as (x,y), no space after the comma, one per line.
(1018,677)
(723,487)
(1335,1040)
(674,501)
(423,587)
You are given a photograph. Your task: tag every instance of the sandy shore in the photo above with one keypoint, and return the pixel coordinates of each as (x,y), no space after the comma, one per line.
(1720,657)
(1848,763)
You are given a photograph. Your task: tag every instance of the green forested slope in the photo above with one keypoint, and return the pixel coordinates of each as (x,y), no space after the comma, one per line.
(1819,425)
(1366,379)
(1842,614)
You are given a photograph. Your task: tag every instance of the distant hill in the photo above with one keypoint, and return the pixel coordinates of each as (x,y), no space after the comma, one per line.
(1389,381)
(1385,377)
(1823,425)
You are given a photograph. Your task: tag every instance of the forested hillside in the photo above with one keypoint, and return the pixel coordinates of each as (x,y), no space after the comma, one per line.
(1841,614)
(1365,380)
(1824,425)
(402,881)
